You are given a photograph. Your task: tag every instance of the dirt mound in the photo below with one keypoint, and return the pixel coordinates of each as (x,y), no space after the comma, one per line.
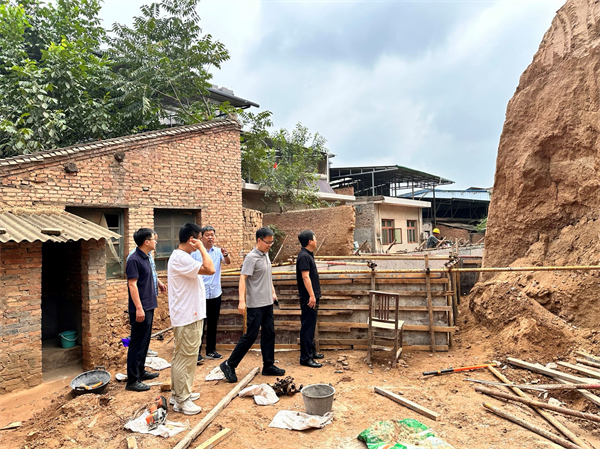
(545,202)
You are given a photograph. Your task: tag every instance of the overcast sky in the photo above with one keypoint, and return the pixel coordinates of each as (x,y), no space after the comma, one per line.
(423,84)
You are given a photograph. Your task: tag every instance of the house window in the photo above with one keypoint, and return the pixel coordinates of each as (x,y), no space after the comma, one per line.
(167,224)
(389,233)
(411,231)
(111,219)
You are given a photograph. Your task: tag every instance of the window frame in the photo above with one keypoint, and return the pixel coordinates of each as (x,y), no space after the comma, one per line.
(411,231)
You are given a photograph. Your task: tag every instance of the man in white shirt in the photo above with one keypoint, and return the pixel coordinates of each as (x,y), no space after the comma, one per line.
(187,308)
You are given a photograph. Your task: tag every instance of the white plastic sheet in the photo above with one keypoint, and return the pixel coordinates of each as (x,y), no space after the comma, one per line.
(157,363)
(215,374)
(263,394)
(168,429)
(286,419)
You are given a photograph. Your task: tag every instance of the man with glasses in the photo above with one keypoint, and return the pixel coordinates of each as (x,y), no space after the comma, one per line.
(142,302)
(158,285)
(258,294)
(212,285)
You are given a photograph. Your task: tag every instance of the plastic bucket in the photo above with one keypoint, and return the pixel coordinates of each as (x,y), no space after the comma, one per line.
(318,398)
(68,339)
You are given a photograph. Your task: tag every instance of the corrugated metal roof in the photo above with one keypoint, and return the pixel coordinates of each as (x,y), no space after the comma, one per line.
(476,195)
(28,226)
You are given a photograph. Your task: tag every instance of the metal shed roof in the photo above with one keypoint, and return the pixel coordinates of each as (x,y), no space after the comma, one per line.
(49,226)
(383,179)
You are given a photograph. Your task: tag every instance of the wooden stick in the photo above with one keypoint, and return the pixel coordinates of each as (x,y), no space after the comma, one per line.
(523,423)
(12,425)
(588,356)
(359,248)
(429,304)
(532,403)
(411,405)
(161,332)
(560,376)
(589,363)
(215,439)
(591,372)
(320,244)
(199,428)
(546,415)
(280,248)
(132,443)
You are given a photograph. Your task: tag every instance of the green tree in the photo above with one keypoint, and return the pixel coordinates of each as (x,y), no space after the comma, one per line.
(163,64)
(285,162)
(54,88)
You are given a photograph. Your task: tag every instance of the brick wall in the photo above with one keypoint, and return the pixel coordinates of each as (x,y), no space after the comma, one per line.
(333,226)
(455,233)
(344,190)
(21,315)
(253,220)
(197,169)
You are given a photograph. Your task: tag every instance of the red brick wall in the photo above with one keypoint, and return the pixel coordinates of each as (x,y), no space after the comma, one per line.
(344,190)
(333,226)
(21,315)
(253,220)
(455,233)
(197,170)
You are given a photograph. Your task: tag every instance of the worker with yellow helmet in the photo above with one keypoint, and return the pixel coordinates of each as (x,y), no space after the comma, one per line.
(434,238)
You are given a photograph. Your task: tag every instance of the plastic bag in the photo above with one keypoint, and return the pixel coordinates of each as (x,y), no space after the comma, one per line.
(285,419)
(404,434)
(263,394)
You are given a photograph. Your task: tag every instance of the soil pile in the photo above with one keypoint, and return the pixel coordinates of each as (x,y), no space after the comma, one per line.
(545,201)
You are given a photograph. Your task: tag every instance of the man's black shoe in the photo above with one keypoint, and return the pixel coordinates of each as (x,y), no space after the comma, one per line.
(311,363)
(228,371)
(318,356)
(272,371)
(200,360)
(148,375)
(137,386)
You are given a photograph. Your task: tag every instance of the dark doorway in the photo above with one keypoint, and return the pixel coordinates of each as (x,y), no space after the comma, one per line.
(61,304)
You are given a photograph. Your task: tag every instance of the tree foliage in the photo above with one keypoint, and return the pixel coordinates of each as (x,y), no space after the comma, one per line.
(65,80)
(285,162)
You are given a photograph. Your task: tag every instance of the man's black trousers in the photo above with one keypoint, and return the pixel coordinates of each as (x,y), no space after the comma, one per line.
(308,324)
(138,345)
(213,310)
(256,318)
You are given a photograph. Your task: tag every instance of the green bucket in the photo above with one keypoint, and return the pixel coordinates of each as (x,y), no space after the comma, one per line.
(68,339)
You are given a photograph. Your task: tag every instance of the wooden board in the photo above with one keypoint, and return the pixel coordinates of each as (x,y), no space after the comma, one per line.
(581,369)
(215,439)
(411,405)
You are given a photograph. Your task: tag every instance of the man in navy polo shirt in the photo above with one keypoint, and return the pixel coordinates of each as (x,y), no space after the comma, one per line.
(142,302)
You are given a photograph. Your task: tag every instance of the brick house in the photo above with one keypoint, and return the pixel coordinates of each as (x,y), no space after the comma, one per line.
(59,276)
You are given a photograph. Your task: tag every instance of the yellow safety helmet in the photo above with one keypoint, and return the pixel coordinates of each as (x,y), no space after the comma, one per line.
(436,231)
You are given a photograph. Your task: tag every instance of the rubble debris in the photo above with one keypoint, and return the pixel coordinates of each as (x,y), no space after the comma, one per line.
(286,387)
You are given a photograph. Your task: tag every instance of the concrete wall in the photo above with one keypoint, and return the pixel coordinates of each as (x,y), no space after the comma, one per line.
(333,227)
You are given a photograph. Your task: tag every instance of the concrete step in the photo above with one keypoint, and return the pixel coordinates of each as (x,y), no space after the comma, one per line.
(55,357)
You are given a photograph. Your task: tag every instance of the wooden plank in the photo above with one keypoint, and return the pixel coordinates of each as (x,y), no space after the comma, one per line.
(562,377)
(12,425)
(425,328)
(581,369)
(215,439)
(543,413)
(588,356)
(588,363)
(330,292)
(199,428)
(132,443)
(537,368)
(411,405)
(284,346)
(322,307)
(429,303)
(558,440)
(424,308)
(410,348)
(295,311)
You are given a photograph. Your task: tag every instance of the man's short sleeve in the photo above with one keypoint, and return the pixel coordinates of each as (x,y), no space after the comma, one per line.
(303,264)
(248,266)
(132,269)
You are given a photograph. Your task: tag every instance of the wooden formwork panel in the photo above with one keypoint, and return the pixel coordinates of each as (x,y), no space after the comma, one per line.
(344,309)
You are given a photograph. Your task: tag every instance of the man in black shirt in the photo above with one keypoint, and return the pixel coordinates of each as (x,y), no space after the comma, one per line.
(309,290)
(142,302)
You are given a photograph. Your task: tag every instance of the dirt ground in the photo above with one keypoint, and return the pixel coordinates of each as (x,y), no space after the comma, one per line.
(54,418)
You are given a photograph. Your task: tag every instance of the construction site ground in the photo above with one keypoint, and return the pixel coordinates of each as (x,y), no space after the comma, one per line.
(53,417)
